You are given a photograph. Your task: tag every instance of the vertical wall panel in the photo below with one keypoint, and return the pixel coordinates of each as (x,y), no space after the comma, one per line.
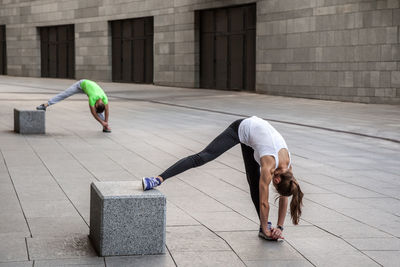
(44,51)
(62,52)
(52,57)
(250,48)
(207,49)
(138,61)
(221,62)
(3,50)
(116,30)
(149,34)
(236,66)
(71,52)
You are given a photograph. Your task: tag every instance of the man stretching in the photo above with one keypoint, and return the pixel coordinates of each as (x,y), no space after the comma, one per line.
(98,101)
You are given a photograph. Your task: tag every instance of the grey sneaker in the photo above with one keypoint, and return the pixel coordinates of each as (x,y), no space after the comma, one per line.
(41,107)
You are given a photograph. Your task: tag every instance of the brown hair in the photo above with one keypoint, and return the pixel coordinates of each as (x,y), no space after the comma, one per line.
(100,108)
(289,186)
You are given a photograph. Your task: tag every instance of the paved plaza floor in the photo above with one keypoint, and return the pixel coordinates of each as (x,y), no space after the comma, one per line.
(345,155)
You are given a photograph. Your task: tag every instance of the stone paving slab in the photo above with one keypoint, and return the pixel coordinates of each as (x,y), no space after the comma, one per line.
(63,247)
(207,258)
(249,246)
(351,182)
(79,262)
(278,263)
(12,248)
(145,261)
(17,264)
(57,226)
(183,239)
(177,217)
(378,243)
(225,221)
(385,258)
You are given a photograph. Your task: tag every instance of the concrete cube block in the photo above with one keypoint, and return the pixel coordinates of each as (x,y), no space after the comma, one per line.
(125,220)
(29,121)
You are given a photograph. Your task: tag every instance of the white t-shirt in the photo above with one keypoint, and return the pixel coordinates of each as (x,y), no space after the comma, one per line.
(262,137)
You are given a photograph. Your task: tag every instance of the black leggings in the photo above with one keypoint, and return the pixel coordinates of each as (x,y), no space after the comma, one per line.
(222,143)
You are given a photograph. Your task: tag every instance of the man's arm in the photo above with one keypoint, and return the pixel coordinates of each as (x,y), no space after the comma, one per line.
(93,111)
(265,180)
(106,112)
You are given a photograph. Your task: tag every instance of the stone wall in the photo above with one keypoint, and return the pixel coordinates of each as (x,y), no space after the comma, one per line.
(330,49)
(344,50)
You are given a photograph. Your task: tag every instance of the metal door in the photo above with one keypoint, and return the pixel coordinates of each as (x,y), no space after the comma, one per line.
(3,50)
(57,51)
(132,50)
(227,48)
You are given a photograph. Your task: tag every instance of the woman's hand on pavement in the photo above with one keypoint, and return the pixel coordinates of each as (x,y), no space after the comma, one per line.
(276,233)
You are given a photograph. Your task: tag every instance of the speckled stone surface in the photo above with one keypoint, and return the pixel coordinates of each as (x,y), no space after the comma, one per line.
(124,220)
(29,121)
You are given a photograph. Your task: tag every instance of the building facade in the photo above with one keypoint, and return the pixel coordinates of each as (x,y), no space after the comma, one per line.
(345,50)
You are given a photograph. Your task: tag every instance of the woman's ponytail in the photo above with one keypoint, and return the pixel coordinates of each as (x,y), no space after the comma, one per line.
(296,203)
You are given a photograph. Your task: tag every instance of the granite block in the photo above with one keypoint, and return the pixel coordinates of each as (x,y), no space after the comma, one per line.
(125,220)
(29,121)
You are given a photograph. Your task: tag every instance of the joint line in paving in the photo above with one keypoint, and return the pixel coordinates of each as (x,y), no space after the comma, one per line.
(211,232)
(374,227)
(16,193)
(299,252)
(237,255)
(172,257)
(132,151)
(279,121)
(27,250)
(84,140)
(59,185)
(337,236)
(73,156)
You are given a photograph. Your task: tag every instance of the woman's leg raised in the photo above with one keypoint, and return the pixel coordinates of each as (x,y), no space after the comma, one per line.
(223,142)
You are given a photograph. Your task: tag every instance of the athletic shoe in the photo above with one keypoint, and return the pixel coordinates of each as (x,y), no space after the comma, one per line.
(262,235)
(41,107)
(150,182)
(106,130)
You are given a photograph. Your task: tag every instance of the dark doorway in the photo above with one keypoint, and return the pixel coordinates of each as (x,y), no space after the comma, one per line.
(227,48)
(58,51)
(3,50)
(132,50)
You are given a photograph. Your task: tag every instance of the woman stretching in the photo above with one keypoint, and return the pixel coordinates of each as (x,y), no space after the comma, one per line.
(266,159)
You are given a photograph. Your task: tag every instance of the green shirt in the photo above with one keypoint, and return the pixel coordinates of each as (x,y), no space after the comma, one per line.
(94,92)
